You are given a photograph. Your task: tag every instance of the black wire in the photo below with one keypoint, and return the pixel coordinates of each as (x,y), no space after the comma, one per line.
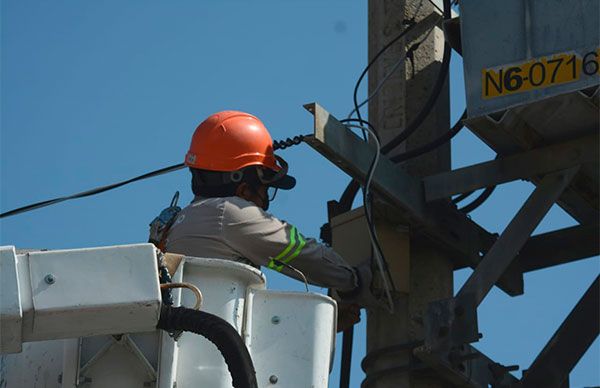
(352,188)
(282,144)
(462,197)
(431,100)
(485,194)
(91,192)
(411,24)
(347,197)
(360,121)
(367,207)
(443,139)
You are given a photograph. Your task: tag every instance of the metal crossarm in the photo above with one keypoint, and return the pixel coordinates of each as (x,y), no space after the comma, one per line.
(570,342)
(559,247)
(516,234)
(441,221)
(523,165)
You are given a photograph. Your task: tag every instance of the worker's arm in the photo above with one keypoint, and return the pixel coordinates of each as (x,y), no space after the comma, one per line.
(269,242)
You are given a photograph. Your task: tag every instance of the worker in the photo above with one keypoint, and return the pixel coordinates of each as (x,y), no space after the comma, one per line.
(235,175)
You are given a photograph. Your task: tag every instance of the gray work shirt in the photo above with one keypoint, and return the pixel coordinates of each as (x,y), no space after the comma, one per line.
(232,228)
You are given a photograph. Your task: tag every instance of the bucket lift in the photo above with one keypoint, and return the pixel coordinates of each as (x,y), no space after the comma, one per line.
(87,318)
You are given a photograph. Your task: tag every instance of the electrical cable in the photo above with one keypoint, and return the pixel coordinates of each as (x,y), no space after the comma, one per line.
(379,257)
(351,190)
(282,144)
(91,192)
(360,121)
(441,140)
(408,54)
(485,194)
(462,197)
(431,100)
(410,25)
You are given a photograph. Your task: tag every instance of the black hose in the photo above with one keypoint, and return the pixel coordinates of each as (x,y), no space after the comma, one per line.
(220,333)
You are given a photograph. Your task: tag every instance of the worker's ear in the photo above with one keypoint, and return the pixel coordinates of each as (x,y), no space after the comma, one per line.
(242,190)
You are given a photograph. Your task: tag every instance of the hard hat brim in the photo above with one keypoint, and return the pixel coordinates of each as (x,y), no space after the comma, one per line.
(287,182)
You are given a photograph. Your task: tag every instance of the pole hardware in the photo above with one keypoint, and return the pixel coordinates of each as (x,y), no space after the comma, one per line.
(523,165)
(569,343)
(516,234)
(441,222)
(451,324)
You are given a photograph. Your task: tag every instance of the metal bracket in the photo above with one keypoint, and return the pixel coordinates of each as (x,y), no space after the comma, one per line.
(523,165)
(566,347)
(122,340)
(506,248)
(450,324)
(441,222)
(465,366)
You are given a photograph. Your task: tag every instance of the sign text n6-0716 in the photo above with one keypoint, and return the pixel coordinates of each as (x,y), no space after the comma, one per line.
(539,73)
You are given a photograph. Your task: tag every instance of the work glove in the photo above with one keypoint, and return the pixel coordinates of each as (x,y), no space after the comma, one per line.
(362,294)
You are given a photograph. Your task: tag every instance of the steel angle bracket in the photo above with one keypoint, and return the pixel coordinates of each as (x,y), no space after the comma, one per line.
(559,247)
(450,323)
(513,238)
(524,165)
(569,343)
(466,366)
(441,221)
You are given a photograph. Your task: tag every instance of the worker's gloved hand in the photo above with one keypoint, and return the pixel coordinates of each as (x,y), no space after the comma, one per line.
(362,294)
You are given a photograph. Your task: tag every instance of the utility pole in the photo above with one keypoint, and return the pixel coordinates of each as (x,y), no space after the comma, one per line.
(391,337)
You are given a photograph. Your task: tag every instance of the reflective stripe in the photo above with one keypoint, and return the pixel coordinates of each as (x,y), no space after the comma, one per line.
(298,250)
(282,256)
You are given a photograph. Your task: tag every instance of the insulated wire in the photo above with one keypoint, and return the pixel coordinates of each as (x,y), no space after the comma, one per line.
(431,100)
(350,192)
(485,194)
(391,72)
(436,143)
(91,192)
(379,259)
(379,53)
(462,196)
(88,193)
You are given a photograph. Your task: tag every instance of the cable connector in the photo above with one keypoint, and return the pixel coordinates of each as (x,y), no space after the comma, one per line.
(283,144)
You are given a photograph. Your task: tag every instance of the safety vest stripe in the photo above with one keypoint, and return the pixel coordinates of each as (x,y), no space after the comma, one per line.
(283,253)
(298,250)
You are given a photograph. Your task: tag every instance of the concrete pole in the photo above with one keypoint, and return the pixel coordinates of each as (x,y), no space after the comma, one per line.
(390,111)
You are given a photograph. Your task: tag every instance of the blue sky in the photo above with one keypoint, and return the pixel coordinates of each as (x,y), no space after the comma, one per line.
(93,92)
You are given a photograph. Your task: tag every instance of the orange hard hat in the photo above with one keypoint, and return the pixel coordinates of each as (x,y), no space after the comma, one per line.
(232,140)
